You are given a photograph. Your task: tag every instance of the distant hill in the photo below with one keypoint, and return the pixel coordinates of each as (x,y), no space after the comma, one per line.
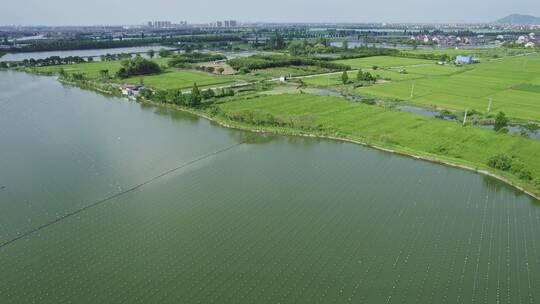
(519,19)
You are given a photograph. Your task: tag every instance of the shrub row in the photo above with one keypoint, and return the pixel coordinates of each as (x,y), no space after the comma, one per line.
(261,118)
(511,164)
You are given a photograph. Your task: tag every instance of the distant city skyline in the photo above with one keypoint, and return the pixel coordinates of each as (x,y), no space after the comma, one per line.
(133,12)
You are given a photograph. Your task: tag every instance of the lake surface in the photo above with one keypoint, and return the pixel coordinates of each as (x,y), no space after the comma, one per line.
(244,218)
(81,53)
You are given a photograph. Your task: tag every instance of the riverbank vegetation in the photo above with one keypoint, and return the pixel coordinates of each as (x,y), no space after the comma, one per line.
(136,67)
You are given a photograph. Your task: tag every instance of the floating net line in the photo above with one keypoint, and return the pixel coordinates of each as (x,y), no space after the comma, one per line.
(118,194)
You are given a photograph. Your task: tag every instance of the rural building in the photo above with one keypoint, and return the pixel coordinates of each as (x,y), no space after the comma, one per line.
(283,78)
(460,59)
(131,90)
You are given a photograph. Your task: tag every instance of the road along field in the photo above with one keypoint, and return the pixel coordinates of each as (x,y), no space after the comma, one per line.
(405,132)
(512,84)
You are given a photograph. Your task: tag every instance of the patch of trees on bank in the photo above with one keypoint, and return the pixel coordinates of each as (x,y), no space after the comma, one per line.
(192,99)
(181,61)
(136,67)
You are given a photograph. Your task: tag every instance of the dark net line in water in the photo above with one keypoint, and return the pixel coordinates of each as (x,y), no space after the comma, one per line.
(116,195)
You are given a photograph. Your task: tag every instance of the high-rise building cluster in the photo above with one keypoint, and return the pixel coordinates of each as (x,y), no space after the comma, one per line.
(165,24)
(225,23)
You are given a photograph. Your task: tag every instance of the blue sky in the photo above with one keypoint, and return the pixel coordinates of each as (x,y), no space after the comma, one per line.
(76,12)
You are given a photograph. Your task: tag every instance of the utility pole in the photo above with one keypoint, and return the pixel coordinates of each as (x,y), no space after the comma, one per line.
(489,105)
(465,117)
(412,90)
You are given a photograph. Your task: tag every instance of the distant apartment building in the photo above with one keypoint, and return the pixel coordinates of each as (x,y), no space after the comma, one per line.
(160,24)
(225,23)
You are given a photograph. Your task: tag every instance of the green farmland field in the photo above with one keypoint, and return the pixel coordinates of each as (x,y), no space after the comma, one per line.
(180,79)
(501,80)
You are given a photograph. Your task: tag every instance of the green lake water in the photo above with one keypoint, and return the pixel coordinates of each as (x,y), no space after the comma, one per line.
(266,219)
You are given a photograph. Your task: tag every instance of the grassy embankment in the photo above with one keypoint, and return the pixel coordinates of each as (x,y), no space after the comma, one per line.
(512,83)
(401,132)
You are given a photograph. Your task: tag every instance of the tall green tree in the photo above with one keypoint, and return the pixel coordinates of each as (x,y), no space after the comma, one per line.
(195,96)
(360,75)
(104,73)
(501,122)
(164,53)
(151,53)
(345,77)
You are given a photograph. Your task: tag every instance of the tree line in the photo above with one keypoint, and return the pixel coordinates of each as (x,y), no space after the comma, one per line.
(181,61)
(86,44)
(52,60)
(193,99)
(247,64)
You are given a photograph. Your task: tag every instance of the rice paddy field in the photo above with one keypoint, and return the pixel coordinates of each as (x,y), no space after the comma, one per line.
(127,203)
(511,83)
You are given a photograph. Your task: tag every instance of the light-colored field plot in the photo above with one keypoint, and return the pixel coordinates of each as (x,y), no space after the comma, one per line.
(507,82)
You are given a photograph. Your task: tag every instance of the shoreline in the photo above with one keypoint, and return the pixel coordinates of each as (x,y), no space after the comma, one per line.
(252,129)
(433,160)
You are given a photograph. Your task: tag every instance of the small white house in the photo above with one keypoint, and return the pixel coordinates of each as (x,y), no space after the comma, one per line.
(131,90)
(530,44)
(283,78)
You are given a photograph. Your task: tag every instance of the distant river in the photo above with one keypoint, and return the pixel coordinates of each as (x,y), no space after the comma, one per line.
(81,53)
(136,204)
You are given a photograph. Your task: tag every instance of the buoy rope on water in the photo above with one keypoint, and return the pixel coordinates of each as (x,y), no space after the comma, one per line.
(116,195)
